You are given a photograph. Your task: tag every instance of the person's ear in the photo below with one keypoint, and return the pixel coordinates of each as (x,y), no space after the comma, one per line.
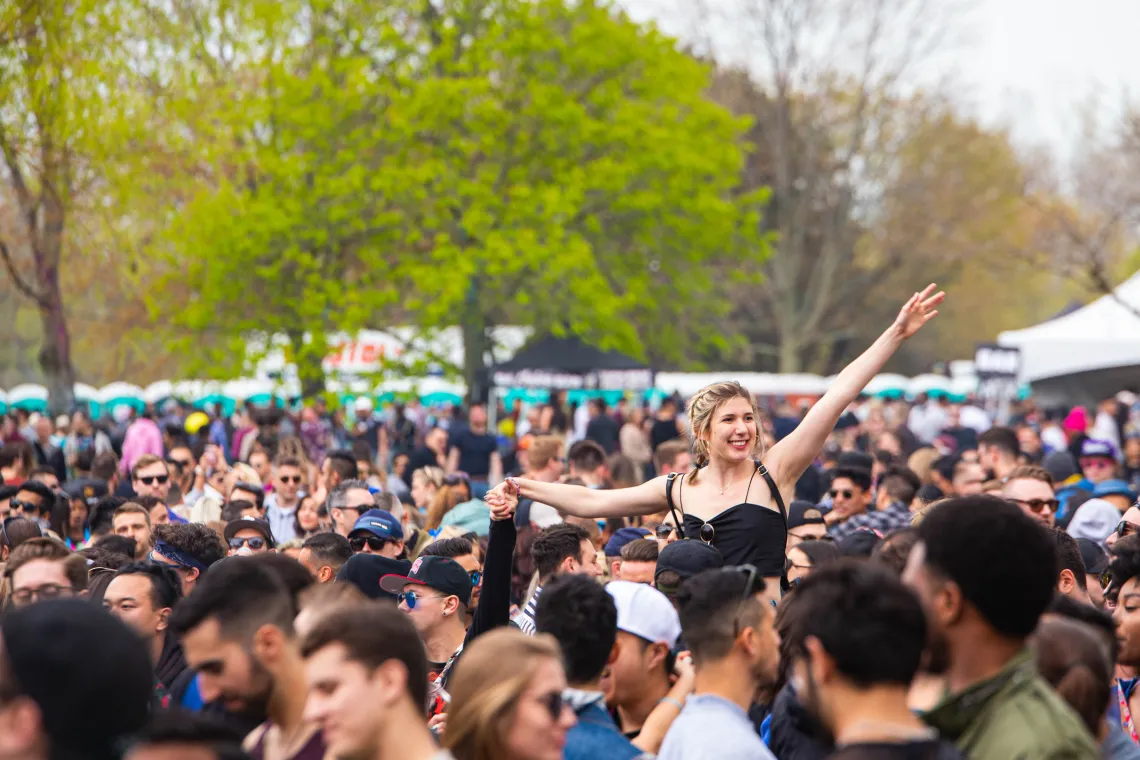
(615,650)
(267,643)
(822,664)
(324,574)
(163,618)
(615,569)
(949,604)
(569,565)
(1066,582)
(450,606)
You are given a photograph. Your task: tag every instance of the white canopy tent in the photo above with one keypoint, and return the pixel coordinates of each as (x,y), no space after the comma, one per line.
(1087,355)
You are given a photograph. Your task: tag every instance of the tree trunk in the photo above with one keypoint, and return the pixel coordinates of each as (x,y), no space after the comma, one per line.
(310,373)
(55,353)
(474,346)
(790,359)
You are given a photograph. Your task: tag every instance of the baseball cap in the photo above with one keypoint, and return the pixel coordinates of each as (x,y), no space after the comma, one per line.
(1093,555)
(250,523)
(687,558)
(380,523)
(802,513)
(87,489)
(855,459)
(1092,447)
(441,573)
(858,544)
(1060,465)
(645,612)
(623,536)
(1095,519)
(1114,488)
(365,571)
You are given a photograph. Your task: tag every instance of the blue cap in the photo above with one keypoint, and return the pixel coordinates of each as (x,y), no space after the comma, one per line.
(1114,488)
(379,523)
(623,536)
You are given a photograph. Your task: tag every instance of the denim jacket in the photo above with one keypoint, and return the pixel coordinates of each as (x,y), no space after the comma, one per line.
(596,736)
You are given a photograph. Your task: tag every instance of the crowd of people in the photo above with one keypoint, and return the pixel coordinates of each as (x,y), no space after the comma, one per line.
(856,579)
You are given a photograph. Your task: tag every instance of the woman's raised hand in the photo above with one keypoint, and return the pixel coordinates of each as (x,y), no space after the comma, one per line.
(502,499)
(920,309)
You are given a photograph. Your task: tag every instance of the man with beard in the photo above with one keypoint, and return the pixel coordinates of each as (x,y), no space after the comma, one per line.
(1031,488)
(861,634)
(237,632)
(998,451)
(728,627)
(985,572)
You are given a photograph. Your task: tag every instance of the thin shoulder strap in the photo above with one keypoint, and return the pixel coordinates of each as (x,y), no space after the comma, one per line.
(678,522)
(775,493)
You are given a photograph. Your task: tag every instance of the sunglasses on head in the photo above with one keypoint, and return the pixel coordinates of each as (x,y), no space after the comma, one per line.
(375,543)
(149,480)
(749,589)
(255,543)
(290,478)
(554,703)
(411,598)
(845,493)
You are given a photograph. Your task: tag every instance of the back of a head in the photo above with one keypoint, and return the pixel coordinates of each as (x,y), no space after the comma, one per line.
(710,607)
(1068,555)
(901,484)
(331,549)
(89,674)
(18,530)
(555,544)
(1002,560)
(586,456)
(192,539)
(343,463)
(641,550)
(1003,439)
(242,594)
(1073,658)
(867,621)
(459,546)
(101,518)
(124,545)
(580,614)
(289,571)
(819,552)
(175,731)
(373,633)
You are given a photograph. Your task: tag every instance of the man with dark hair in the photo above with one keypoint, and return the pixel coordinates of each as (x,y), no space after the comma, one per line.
(142,595)
(850,495)
(101,519)
(367,682)
(347,501)
(582,616)
(728,626)
(281,505)
(860,637)
(985,572)
(324,554)
(177,733)
(563,549)
(602,429)
(639,561)
(473,449)
(237,632)
(34,501)
(897,487)
(338,467)
(47,475)
(251,493)
(462,551)
(998,452)
(189,549)
(618,541)
(75,682)
(588,463)
(1072,580)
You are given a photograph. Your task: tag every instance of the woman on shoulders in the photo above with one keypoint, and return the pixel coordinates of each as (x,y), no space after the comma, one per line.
(722,502)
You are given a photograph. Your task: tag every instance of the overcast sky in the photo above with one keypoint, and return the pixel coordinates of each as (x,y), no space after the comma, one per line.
(1028,64)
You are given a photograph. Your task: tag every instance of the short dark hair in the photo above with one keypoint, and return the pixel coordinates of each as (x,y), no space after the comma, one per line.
(343,463)
(283,460)
(1003,439)
(257,491)
(165,588)
(582,615)
(710,605)
(232,510)
(39,489)
(866,620)
(329,549)
(900,483)
(43,469)
(857,475)
(101,518)
(7,492)
(290,572)
(1069,557)
(1101,620)
(586,455)
(104,466)
(555,544)
(892,552)
(374,633)
(124,545)
(182,727)
(10,453)
(193,539)
(641,550)
(242,595)
(459,546)
(1002,560)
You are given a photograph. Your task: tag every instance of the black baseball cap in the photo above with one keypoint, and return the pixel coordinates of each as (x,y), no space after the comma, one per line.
(89,490)
(802,513)
(687,558)
(858,544)
(250,523)
(1094,556)
(365,571)
(441,573)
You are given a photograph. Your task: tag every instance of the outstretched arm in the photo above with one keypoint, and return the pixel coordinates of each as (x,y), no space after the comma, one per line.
(791,456)
(580,501)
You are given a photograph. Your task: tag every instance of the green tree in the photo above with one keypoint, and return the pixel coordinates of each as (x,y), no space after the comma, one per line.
(537,163)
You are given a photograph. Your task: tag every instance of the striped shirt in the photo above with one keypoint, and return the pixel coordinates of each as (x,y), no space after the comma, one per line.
(524,618)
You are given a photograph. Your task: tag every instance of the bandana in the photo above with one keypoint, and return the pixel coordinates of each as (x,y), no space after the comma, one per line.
(179,557)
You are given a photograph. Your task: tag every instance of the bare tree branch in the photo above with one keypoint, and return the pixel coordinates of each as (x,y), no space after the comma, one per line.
(20,283)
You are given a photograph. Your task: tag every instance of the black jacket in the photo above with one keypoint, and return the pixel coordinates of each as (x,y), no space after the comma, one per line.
(791,737)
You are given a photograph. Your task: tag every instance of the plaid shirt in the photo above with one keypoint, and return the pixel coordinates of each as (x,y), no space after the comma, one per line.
(896,516)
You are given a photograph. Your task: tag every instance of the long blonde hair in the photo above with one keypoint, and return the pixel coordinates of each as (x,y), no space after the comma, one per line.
(445,500)
(489,679)
(703,405)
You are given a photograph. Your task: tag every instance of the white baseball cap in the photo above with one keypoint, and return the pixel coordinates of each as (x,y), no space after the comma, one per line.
(645,612)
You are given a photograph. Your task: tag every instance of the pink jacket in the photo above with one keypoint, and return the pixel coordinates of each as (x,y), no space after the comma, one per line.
(143,437)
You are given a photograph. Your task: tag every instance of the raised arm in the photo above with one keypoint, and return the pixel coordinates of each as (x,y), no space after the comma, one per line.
(791,456)
(580,501)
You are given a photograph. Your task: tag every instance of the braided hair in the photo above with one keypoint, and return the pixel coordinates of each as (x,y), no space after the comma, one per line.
(703,405)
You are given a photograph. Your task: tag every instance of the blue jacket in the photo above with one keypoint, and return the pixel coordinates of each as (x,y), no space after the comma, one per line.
(596,736)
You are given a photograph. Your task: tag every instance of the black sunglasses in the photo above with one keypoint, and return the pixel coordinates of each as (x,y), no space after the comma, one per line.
(845,493)
(749,590)
(1125,528)
(1036,505)
(663,531)
(554,703)
(375,543)
(255,543)
(148,480)
(290,478)
(23,506)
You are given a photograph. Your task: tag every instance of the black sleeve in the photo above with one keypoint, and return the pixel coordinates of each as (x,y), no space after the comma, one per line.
(494,608)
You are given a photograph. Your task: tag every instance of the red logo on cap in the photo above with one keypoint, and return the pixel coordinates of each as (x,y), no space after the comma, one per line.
(416,565)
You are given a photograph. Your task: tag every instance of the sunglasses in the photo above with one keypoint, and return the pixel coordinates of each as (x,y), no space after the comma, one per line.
(845,493)
(48,591)
(749,586)
(554,703)
(663,531)
(1097,464)
(1125,528)
(374,543)
(148,480)
(476,578)
(23,506)
(412,598)
(1036,505)
(183,463)
(255,543)
(290,478)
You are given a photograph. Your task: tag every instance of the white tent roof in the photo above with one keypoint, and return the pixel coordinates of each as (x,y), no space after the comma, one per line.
(1102,335)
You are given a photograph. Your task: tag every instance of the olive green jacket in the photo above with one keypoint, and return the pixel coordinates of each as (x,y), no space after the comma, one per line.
(1013,716)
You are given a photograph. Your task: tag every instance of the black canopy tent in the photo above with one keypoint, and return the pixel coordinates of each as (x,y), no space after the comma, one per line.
(569,364)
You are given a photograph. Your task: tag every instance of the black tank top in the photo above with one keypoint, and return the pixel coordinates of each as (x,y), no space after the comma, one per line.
(744,534)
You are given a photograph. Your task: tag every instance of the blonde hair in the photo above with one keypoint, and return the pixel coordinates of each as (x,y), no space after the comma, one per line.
(431,476)
(921,463)
(703,405)
(443,502)
(493,673)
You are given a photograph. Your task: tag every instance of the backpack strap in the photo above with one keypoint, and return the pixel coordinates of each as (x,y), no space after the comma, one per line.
(775,493)
(678,522)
